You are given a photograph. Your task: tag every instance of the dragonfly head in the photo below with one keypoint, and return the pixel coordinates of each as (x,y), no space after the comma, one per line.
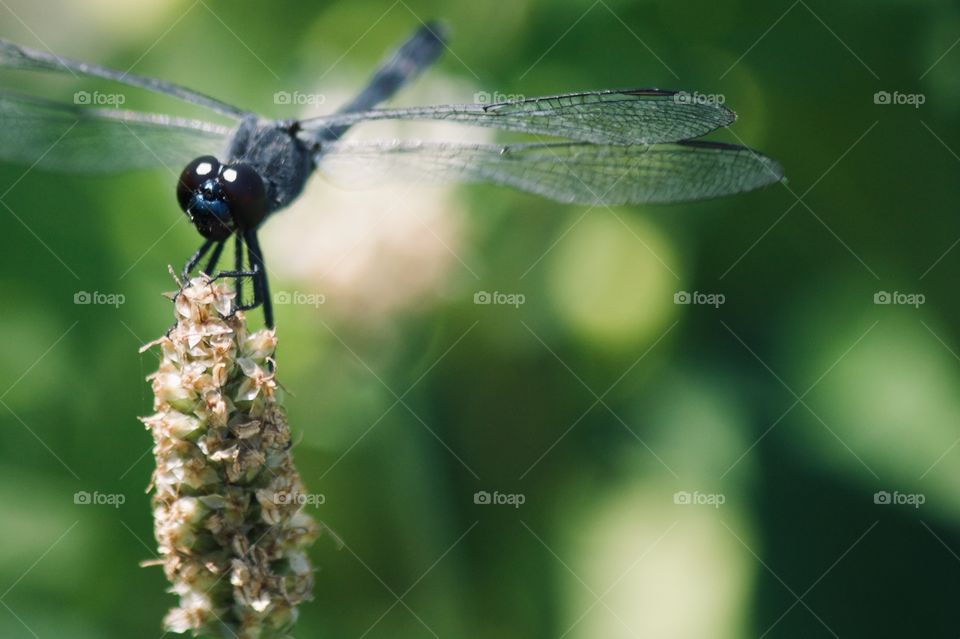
(221,199)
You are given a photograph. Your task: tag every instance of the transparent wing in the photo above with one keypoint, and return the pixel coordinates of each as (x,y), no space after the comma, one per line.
(568,172)
(14,56)
(638,116)
(64,137)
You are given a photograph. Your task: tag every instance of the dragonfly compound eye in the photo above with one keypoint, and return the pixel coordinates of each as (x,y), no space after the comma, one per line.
(193,177)
(245,194)
(202,197)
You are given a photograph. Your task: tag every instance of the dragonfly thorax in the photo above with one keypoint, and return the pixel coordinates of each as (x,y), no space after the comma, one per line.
(281,158)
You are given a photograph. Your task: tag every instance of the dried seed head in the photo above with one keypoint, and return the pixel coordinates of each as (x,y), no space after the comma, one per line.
(227,499)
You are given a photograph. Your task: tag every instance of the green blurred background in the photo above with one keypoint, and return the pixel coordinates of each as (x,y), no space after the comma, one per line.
(599,401)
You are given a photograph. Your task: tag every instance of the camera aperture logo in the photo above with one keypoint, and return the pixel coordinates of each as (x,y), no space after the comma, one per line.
(299,298)
(496,498)
(899,299)
(696,498)
(916,100)
(697,298)
(99,299)
(896,498)
(497,298)
(96,498)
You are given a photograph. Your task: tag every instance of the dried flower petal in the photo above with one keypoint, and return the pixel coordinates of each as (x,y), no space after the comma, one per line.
(227,498)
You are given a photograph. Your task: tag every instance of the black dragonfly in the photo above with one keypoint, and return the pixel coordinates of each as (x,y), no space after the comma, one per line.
(619,147)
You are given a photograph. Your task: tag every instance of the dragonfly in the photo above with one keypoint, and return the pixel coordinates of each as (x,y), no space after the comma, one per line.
(607,147)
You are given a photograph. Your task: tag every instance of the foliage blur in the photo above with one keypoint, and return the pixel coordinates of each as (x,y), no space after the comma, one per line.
(798,403)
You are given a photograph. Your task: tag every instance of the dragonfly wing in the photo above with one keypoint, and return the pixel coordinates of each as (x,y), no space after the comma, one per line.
(14,56)
(567,172)
(64,137)
(638,116)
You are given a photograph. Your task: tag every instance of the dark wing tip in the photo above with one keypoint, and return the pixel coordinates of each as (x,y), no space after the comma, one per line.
(648,92)
(730,113)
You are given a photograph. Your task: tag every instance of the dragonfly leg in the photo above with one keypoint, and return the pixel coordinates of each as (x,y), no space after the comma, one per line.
(215,257)
(261,288)
(195,258)
(238,268)
(255,271)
